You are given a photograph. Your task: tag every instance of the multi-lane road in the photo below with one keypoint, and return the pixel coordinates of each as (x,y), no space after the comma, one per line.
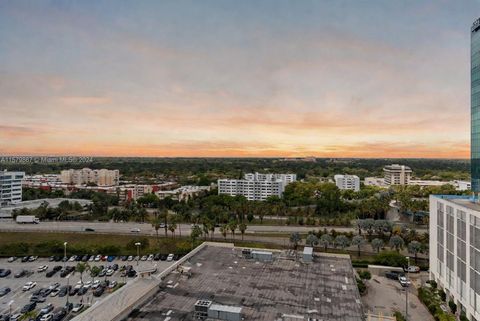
(147,229)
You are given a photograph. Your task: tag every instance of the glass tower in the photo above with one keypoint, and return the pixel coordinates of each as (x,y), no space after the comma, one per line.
(475,106)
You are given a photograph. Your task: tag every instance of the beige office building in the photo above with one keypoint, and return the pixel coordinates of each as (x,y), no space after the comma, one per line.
(397,174)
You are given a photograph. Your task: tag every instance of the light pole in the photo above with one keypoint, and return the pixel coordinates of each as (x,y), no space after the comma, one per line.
(406,291)
(68,288)
(138,251)
(64,254)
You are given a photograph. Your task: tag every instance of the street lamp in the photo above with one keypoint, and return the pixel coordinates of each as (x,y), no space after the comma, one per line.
(406,290)
(64,254)
(138,251)
(68,287)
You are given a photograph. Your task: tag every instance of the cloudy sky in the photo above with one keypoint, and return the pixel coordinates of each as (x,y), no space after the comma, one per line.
(235,78)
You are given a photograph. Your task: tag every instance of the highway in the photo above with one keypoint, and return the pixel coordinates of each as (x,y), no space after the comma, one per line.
(147,229)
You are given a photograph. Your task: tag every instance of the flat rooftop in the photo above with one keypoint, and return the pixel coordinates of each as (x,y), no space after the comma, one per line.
(284,289)
(462,200)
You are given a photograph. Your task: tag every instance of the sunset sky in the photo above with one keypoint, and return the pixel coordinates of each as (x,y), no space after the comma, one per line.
(236,78)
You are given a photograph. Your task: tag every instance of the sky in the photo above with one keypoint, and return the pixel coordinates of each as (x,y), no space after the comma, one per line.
(225,78)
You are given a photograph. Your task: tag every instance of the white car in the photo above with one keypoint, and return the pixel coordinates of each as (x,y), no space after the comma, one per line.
(42,268)
(130,258)
(77,307)
(403,281)
(54,292)
(95,284)
(112,284)
(29,285)
(170,257)
(144,258)
(109,272)
(47,317)
(91,258)
(15,317)
(72,258)
(150,257)
(87,284)
(135,230)
(98,258)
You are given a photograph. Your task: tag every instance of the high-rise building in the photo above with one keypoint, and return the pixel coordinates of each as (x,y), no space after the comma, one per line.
(256,186)
(454,226)
(10,187)
(347,182)
(475,105)
(100,177)
(397,174)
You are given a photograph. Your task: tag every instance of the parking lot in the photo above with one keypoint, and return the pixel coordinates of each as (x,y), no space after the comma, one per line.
(12,302)
(384,296)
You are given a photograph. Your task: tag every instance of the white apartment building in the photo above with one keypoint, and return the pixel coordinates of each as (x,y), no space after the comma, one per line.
(455,250)
(10,187)
(344,182)
(256,186)
(100,177)
(397,174)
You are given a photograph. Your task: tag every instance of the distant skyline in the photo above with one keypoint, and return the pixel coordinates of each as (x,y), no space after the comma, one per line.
(277,78)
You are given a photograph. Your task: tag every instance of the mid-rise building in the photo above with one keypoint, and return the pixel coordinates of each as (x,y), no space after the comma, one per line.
(10,187)
(256,186)
(344,182)
(455,250)
(100,177)
(397,174)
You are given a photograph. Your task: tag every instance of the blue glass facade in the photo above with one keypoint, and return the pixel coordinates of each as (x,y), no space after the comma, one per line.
(475,105)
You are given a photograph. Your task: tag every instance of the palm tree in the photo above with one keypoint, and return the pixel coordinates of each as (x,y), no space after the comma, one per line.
(295,239)
(415,247)
(342,241)
(396,242)
(358,241)
(242,227)
(377,244)
(232,226)
(325,240)
(156,223)
(81,268)
(195,234)
(224,230)
(172,227)
(311,240)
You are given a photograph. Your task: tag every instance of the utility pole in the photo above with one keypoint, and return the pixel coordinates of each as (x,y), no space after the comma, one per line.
(138,251)
(406,290)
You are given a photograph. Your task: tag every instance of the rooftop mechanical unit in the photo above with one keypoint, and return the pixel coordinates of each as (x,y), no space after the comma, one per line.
(247,253)
(201,309)
(263,256)
(225,312)
(307,254)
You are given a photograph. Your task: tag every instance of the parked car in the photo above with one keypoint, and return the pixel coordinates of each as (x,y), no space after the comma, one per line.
(47,309)
(403,280)
(29,285)
(123,258)
(64,290)
(42,268)
(32,258)
(46,317)
(412,269)
(109,272)
(82,291)
(28,307)
(110,258)
(12,259)
(112,284)
(20,274)
(156,257)
(392,275)
(130,258)
(144,258)
(135,230)
(5,272)
(4,291)
(85,258)
(60,314)
(15,317)
(54,292)
(98,258)
(77,307)
(72,258)
(170,258)
(37,299)
(25,259)
(98,291)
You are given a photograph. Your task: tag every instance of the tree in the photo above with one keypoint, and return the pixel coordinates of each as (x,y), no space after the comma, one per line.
(396,242)
(415,247)
(81,268)
(311,240)
(224,230)
(295,239)
(342,241)
(195,234)
(358,241)
(377,244)
(172,227)
(232,226)
(242,227)
(156,223)
(325,240)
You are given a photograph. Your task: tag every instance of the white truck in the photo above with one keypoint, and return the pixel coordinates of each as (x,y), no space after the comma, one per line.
(27,219)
